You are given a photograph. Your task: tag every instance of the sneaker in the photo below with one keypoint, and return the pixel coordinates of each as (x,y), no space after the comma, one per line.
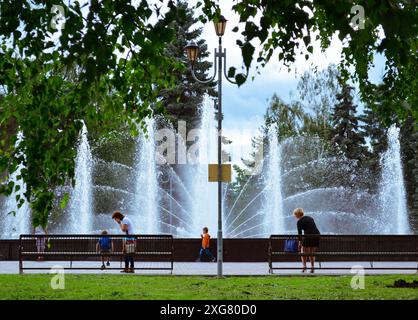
(213,259)
(108,264)
(131,270)
(102,267)
(124,270)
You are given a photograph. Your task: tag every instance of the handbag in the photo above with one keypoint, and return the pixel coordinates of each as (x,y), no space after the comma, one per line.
(130,246)
(291,245)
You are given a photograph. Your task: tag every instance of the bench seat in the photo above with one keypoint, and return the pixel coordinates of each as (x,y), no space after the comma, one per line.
(92,253)
(370,253)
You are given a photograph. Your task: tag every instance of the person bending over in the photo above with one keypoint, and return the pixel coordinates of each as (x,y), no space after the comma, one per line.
(309,242)
(128,243)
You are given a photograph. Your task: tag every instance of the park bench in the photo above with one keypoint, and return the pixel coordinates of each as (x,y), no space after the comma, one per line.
(335,248)
(158,250)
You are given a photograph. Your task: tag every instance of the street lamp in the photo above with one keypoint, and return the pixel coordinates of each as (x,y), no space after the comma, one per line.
(192,50)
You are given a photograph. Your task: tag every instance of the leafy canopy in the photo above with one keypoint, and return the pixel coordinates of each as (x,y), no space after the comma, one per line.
(105,67)
(283,29)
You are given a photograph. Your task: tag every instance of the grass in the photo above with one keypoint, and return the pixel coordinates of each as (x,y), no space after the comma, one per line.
(37,287)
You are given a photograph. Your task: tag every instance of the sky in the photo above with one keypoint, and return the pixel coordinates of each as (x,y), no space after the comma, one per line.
(245,106)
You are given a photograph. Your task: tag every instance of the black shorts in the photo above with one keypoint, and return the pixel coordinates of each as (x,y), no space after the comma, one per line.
(311,241)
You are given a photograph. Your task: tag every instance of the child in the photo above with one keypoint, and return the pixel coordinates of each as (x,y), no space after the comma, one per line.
(205,245)
(104,246)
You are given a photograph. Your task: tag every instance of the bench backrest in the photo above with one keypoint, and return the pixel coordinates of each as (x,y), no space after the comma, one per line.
(68,244)
(355,243)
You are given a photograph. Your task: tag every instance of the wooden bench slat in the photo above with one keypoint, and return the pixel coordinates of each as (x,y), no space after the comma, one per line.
(91,253)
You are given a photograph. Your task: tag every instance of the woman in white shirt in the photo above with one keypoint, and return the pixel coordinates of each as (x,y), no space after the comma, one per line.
(128,244)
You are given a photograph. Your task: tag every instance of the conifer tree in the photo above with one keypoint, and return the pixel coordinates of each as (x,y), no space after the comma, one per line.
(346,134)
(375,132)
(409,147)
(182,101)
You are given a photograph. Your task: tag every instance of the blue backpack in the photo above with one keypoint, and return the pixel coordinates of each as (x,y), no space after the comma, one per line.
(291,245)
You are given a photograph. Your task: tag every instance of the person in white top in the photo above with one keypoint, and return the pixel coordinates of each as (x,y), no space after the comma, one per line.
(128,244)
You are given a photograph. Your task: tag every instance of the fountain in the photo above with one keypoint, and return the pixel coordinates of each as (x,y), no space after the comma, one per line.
(81,197)
(19,223)
(144,209)
(273,210)
(178,199)
(297,173)
(204,193)
(392,195)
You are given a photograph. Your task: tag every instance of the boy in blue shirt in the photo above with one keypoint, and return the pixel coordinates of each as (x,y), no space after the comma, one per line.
(104,246)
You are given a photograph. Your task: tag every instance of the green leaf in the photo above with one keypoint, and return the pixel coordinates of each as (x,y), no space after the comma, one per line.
(231,72)
(247,54)
(64,201)
(240,79)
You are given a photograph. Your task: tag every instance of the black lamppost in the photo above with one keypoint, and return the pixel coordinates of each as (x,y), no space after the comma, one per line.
(192,50)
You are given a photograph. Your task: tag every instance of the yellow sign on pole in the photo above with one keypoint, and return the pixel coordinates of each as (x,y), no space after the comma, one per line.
(213,173)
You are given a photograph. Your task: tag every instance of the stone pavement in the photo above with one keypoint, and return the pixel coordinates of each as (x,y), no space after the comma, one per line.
(207,269)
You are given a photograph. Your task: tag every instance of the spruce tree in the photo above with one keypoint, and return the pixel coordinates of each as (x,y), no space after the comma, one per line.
(375,131)
(409,147)
(346,134)
(182,101)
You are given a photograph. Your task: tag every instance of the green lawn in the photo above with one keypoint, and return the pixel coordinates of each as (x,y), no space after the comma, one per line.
(199,287)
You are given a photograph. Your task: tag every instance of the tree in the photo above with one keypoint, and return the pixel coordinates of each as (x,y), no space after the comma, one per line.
(375,131)
(121,65)
(287,117)
(317,94)
(284,29)
(346,135)
(409,147)
(183,99)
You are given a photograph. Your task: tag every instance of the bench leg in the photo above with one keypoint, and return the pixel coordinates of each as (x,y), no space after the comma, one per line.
(20,265)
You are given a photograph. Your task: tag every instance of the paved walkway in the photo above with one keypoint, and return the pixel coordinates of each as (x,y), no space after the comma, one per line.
(195,268)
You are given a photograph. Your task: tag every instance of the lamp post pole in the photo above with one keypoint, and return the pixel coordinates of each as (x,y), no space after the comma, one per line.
(192,50)
(219,103)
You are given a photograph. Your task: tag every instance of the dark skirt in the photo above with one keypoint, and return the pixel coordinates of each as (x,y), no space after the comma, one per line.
(311,241)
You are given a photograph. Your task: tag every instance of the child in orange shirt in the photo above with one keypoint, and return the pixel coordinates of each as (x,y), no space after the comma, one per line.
(205,245)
